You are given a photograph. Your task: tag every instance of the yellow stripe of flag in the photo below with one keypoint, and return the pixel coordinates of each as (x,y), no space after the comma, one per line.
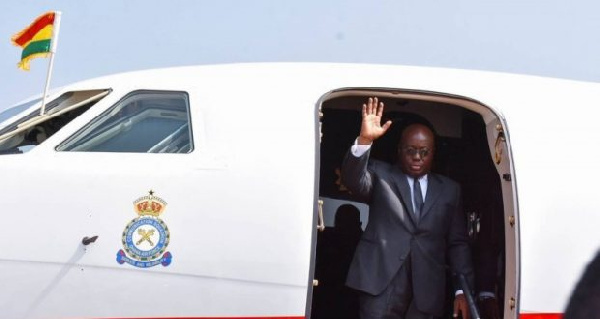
(43,34)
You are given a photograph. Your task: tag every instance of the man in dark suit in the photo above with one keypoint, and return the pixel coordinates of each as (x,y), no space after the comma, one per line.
(584,302)
(416,225)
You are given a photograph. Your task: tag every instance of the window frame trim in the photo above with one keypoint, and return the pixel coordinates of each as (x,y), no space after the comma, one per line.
(80,132)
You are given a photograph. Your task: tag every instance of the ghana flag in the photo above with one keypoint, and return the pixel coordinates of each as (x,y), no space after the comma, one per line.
(36,40)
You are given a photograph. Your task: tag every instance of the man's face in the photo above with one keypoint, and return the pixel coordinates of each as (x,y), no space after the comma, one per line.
(416,150)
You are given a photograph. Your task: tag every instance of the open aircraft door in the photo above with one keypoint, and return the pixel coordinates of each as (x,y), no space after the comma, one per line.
(472,148)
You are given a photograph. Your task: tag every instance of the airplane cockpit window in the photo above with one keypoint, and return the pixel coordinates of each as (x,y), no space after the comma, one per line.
(142,122)
(20,132)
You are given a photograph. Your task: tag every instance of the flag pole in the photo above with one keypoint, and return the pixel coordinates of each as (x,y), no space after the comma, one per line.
(55,31)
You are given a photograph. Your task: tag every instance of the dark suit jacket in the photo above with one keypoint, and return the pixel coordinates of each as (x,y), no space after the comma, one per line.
(392,234)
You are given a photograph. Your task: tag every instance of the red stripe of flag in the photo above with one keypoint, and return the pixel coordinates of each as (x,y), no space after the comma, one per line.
(36,26)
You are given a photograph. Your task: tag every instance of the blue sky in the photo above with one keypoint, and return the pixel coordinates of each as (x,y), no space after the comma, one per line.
(539,37)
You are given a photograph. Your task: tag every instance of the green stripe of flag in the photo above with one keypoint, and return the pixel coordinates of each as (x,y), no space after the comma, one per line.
(41,46)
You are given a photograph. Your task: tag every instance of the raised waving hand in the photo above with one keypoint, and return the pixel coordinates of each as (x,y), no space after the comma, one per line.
(371,128)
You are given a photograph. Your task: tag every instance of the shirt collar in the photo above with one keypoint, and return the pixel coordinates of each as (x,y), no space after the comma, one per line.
(424,178)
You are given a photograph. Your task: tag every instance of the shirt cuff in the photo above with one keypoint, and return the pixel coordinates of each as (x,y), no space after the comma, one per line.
(458,292)
(359,150)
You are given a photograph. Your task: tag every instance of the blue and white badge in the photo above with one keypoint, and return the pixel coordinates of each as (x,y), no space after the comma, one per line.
(145,238)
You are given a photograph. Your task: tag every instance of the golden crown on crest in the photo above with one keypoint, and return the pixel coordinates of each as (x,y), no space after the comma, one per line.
(149,205)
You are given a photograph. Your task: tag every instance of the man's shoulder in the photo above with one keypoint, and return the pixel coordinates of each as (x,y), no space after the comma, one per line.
(445,180)
(376,164)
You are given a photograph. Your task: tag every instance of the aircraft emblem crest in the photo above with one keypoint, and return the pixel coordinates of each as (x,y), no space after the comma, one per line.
(146,237)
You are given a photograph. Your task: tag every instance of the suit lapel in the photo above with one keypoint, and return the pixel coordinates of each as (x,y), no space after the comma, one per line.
(434,190)
(403,189)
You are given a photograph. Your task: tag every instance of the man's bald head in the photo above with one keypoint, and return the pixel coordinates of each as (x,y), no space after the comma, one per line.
(416,148)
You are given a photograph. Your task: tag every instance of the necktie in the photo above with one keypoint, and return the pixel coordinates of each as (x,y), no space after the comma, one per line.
(418,197)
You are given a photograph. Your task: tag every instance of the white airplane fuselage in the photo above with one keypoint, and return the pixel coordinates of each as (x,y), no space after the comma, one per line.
(236,208)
